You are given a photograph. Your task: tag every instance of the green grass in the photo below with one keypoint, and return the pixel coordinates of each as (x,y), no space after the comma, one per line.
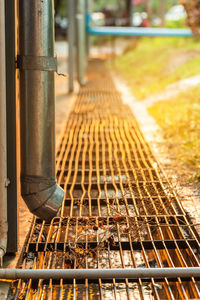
(146,67)
(180,120)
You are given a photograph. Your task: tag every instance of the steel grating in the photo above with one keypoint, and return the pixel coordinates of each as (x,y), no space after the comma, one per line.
(119,209)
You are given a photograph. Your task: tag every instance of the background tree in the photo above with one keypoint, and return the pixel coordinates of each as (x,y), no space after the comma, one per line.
(162,11)
(192,8)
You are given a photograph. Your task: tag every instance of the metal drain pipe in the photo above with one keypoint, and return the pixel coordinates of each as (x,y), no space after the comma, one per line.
(99,273)
(81,41)
(71,39)
(37,65)
(3,156)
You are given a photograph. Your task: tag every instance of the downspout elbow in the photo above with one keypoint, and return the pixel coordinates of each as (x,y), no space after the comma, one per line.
(43,196)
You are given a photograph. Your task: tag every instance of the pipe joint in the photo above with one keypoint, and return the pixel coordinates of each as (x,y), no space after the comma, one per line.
(42,196)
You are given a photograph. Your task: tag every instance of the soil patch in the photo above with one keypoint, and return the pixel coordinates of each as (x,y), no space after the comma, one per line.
(178,58)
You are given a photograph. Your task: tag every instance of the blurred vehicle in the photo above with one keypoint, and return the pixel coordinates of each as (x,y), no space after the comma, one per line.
(122,21)
(137,19)
(106,18)
(175,13)
(98,19)
(109,16)
(61,26)
(140,19)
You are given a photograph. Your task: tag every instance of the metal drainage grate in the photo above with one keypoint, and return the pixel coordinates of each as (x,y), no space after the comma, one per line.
(119,211)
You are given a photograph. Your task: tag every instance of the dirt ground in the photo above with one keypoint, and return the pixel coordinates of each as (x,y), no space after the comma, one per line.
(180,57)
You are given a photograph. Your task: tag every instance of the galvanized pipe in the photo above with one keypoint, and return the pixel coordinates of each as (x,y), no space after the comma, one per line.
(81,41)
(71,39)
(37,112)
(99,273)
(3,147)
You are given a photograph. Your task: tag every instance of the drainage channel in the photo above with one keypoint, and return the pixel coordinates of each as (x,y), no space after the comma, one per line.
(119,212)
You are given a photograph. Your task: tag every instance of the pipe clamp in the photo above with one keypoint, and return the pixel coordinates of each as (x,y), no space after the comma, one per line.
(39,63)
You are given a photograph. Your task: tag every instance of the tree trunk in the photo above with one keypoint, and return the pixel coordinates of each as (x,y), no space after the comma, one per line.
(129,11)
(162,10)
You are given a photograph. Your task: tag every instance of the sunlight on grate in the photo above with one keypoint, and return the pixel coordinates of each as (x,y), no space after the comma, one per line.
(119,209)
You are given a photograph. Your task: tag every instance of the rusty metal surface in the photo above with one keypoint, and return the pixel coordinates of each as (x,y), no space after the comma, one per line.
(119,209)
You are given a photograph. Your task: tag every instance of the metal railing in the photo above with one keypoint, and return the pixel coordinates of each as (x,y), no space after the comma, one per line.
(139,31)
(81,12)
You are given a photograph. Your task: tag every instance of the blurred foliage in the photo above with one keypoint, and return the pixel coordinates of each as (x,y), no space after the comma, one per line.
(179,119)
(60,5)
(175,23)
(99,4)
(60,8)
(192,8)
(152,64)
(155,4)
(152,4)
